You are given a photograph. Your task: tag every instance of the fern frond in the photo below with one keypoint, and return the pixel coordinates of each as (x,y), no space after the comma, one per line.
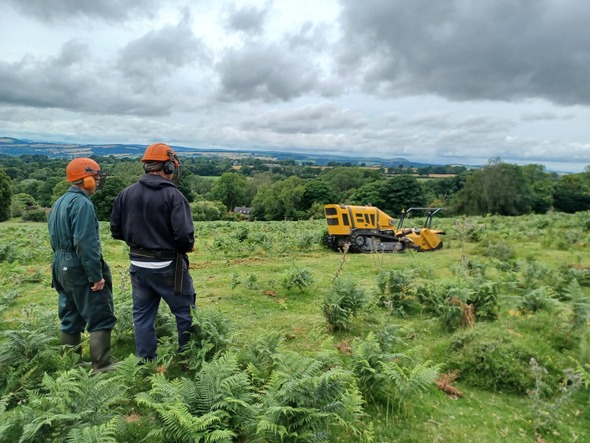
(47,424)
(408,383)
(70,400)
(258,356)
(304,400)
(178,421)
(162,391)
(220,436)
(103,433)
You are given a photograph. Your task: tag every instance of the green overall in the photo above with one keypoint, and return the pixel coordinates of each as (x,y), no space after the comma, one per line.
(77,264)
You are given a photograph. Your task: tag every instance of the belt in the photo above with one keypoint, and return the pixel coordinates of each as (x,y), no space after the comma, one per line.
(164,255)
(151,253)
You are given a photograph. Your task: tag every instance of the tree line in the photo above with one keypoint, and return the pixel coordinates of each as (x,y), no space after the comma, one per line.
(288,190)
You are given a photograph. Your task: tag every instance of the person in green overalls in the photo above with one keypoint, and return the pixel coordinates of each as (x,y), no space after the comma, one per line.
(80,275)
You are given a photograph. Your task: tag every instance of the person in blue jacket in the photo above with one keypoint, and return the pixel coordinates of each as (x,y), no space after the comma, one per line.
(80,275)
(154,218)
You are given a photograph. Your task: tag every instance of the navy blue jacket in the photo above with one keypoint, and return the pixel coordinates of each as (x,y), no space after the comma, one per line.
(153,214)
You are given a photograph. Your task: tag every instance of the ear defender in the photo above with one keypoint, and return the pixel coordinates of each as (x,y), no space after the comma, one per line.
(170,165)
(89,182)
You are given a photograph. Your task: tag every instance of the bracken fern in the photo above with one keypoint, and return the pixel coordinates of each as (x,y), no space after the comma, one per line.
(74,399)
(307,401)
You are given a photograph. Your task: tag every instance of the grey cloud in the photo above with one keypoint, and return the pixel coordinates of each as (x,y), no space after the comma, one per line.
(309,37)
(431,119)
(111,10)
(159,53)
(58,83)
(295,64)
(306,120)
(71,53)
(472,49)
(442,121)
(248,19)
(267,73)
(484,125)
(544,116)
(44,83)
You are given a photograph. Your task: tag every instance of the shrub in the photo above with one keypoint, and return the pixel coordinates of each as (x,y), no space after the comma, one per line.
(20,202)
(308,399)
(499,250)
(534,274)
(552,331)
(9,252)
(484,299)
(205,210)
(306,240)
(342,302)
(468,231)
(582,275)
(211,335)
(432,297)
(35,215)
(537,300)
(546,412)
(492,359)
(258,356)
(297,278)
(391,379)
(457,314)
(394,289)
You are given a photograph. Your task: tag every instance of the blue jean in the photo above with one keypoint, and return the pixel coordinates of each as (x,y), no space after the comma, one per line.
(149,287)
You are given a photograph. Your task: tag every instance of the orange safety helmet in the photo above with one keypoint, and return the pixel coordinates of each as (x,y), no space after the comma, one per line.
(81,167)
(161,152)
(86,169)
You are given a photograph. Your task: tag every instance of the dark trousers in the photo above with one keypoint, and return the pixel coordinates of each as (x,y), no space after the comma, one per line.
(79,308)
(149,287)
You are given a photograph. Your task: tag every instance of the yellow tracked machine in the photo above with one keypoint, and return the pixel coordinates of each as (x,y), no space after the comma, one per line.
(368,229)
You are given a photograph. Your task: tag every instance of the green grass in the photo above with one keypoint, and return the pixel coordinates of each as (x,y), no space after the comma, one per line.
(238,269)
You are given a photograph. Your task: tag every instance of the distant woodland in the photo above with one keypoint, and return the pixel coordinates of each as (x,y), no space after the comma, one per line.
(292,190)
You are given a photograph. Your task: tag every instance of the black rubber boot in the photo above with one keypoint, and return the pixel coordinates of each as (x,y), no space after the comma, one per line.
(74,340)
(100,351)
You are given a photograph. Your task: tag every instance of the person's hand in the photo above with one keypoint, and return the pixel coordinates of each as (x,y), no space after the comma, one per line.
(98,285)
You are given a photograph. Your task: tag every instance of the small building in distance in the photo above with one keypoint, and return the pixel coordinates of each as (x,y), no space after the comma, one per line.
(243,211)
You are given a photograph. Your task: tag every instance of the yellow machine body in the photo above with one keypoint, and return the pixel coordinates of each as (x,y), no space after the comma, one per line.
(368,229)
(343,219)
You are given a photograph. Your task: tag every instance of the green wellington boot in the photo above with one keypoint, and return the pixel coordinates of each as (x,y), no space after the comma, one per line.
(74,340)
(100,351)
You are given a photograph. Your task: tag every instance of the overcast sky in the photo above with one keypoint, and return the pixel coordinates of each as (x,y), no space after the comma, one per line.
(449,81)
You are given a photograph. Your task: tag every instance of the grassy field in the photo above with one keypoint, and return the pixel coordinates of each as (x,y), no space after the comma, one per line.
(502,291)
